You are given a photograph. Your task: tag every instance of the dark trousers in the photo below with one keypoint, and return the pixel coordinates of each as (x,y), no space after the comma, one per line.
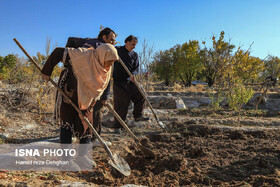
(124,93)
(66,134)
(97,118)
(66,137)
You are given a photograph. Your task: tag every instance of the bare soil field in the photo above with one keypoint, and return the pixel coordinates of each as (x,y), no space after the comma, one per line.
(200,147)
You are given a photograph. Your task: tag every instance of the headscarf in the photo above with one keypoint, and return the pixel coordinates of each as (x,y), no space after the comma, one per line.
(88,67)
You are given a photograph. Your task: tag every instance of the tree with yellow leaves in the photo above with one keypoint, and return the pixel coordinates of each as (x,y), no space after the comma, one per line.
(162,66)
(272,67)
(216,58)
(246,67)
(187,61)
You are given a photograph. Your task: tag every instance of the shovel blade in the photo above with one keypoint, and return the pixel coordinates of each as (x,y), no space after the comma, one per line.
(146,151)
(120,164)
(161,124)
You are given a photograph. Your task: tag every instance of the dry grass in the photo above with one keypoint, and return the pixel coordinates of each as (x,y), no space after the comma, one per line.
(178,88)
(150,86)
(275,89)
(151,89)
(197,88)
(159,86)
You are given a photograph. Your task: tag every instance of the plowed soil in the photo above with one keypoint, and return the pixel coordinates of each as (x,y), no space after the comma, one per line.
(188,153)
(202,155)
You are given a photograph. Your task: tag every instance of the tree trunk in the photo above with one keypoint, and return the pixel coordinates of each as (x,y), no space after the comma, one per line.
(166,82)
(188,84)
(210,81)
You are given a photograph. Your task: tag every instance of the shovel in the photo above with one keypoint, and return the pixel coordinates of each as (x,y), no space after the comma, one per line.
(143,94)
(146,151)
(115,161)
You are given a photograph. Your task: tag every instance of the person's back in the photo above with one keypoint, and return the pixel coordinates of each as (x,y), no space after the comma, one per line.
(76,42)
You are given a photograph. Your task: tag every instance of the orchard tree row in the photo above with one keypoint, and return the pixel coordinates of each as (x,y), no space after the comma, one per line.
(214,65)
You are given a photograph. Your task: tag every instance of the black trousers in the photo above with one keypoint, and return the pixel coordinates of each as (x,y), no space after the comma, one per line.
(124,92)
(66,134)
(66,137)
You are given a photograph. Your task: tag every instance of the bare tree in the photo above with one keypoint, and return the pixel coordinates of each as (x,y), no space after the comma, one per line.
(48,43)
(145,56)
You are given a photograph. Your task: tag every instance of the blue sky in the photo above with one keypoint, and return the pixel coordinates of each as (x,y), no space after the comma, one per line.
(163,23)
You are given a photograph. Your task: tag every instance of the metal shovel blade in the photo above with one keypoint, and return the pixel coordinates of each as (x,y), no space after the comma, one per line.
(146,151)
(120,164)
(161,124)
(158,122)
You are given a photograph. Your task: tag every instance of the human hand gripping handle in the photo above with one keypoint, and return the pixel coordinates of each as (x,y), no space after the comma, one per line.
(132,78)
(104,102)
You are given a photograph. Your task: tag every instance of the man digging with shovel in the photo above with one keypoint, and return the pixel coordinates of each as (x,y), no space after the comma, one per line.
(84,79)
(106,35)
(124,87)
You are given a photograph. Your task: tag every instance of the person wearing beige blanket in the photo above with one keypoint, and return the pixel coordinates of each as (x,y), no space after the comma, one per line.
(88,74)
(92,68)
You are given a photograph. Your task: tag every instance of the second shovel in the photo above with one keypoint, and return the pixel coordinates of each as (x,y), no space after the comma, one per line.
(145,150)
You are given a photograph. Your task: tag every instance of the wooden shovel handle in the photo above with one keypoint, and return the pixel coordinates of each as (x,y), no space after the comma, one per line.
(142,92)
(70,101)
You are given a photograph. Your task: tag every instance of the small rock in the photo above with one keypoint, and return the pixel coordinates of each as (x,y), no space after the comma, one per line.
(180,104)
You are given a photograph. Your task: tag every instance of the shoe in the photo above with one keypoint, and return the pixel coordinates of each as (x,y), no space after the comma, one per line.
(142,118)
(96,143)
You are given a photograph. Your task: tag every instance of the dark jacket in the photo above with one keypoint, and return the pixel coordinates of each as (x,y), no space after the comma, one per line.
(130,59)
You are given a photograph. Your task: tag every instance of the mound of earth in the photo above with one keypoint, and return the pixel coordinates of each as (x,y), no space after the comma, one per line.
(199,155)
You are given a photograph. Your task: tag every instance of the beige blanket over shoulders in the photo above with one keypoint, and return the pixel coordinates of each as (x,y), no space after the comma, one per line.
(88,67)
